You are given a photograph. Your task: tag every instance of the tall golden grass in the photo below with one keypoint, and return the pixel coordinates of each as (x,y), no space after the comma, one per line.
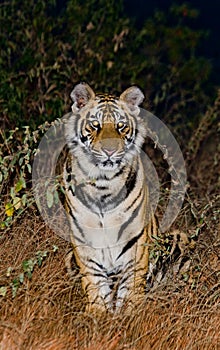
(47,312)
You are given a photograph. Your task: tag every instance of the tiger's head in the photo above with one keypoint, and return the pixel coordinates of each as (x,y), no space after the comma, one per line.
(105,131)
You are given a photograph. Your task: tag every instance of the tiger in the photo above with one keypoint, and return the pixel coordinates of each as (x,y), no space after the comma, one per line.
(107,197)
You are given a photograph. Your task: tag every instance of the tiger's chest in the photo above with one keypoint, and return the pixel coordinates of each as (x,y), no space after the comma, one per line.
(102,236)
(107,212)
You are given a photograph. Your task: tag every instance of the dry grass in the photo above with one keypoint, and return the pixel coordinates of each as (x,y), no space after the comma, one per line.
(48,310)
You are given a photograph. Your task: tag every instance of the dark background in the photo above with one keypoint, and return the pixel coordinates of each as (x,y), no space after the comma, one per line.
(208,20)
(48,46)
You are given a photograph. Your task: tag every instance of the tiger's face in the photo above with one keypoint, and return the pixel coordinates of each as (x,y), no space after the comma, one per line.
(107,131)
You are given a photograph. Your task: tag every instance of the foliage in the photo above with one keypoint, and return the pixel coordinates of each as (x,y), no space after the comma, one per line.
(45,51)
(27,269)
(17,149)
(174,76)
(29,70)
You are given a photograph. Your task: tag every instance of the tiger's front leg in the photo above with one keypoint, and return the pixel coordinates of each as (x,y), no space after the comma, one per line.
(98,293)
(131,289)
(95,280)
(105,295)
(130,293)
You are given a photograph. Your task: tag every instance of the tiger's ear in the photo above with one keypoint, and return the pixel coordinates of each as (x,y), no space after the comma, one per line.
(133,97)
(81,94)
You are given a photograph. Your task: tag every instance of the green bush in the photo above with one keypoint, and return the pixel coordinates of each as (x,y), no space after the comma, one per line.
(45,51)
(17,150)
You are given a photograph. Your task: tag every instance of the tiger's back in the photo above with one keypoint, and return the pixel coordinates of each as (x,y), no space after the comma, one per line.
(107,198)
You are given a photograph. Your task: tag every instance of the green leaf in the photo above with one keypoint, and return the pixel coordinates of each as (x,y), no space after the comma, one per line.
(3,291)
(56,197)
(29,168)
(21,277)
(9,270)
(2,225)
(23,182)
(40,257)
(55,248)
(21,161)
(28,267)
(19,185)
(12,192)
(17,203)
(50,198)
(9,209)
(24,200)
(14,285)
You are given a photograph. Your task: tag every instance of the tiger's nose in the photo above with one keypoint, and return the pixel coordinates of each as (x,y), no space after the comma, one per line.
(109,151)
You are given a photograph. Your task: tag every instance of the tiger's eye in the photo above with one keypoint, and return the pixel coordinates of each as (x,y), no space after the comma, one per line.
(95,123)
(121,124)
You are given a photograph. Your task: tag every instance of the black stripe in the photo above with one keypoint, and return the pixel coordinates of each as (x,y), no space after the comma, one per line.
(84,198)
(73,142)
(131,218)
(104,197)
(143,253)
(125,278)
(82,125)
(69,205)
(93,270)
(100,188)
(98,275)
(78,239)
(135,200)
(117,199)
(69,178)
(71,190)
(111,102)
(75,222)
(109,293)
(132,272)
(86,287)
(87,129)
(131,181)
(97,264)
(119,172)
(101,105)
(104,177)
(130,244)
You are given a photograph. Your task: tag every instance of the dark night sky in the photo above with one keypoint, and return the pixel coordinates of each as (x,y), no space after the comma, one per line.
(208,19)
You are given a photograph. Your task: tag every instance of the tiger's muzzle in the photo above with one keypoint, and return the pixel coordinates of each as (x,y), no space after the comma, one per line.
(108,147)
